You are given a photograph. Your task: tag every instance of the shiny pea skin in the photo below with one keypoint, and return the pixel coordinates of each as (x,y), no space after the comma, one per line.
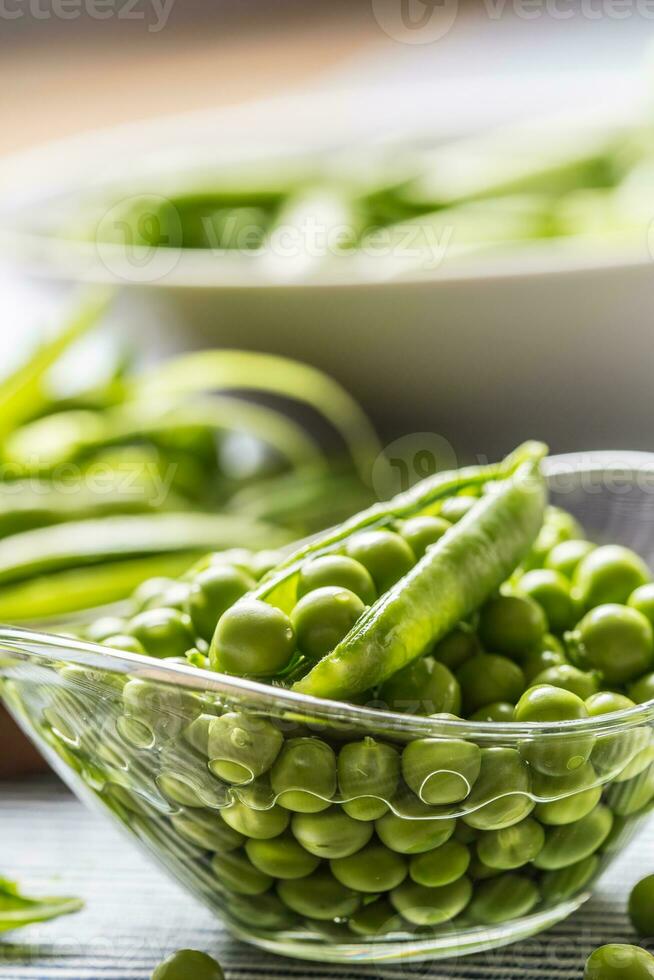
(421,532)
(614,750)
(511,625)
(205,828)
(416,831)
(609,574)
(551,590)
(499,711)
(486,678)
(187,963)
(547,754)
(242,746)
(386,555)
(642,690)
(559,886)
(261,911)
(212,592)
(509,896)
(641,907)
(163,632)
(431,906)
(124,643)
(281,857)
(319,896)
(618,641)
(566,798)
(373,869)
(375,919)
(512,847)
(252,638)
(642,599)
(565,556)
(441,771)
(424,687)
(629,797)
(619,962)
(500,796)
(304,775)
(537,661)
(337,570)
(572,842)
(368,776)
(331,833)
(641,760)
(441,866)
(457,647)
(580,682)
(323,617)
(237,874)
(258,824)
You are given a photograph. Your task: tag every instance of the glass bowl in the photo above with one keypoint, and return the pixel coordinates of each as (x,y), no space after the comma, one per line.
(343,832)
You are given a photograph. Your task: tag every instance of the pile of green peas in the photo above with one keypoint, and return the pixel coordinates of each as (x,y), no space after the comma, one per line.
(373,834)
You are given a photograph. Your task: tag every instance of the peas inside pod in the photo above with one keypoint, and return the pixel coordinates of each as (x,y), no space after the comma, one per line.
(425,719)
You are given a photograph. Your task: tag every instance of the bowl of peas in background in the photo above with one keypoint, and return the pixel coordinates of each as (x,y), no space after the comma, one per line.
(423,733)
(344,246)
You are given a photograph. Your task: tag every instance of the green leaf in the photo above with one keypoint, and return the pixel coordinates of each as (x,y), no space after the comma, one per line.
(18,910)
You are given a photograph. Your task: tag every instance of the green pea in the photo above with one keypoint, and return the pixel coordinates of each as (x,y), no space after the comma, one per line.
(252,637)
(281,857)
(511,625)
(212,592)
(580,682)
(565,556)
(319,896)
(551,590)
(261,912)
(174,597)
(442,866)
(618,641)
(619,962)
(642,690)
(165,710)
(478,871)
(574,841)
(537,661)
(337,570)
(641,906)
(567,798)
(553,755)
(511,847)
(421,532)
(304,775)
(386,555)
(187,963)
(163,632)
(416,831)
(454,508)
(457,647)
(237,874)
(558,526)
(431,906)
(185,779)
(376,919)
(124,643)
(500,797)
(509,896)
(486,678)
(613,751)
(368,775)
(441,771)
(627,798)
(104,627)
(609,575)
(641,761)
(323,617)
(424,687)
(564,884)
(207,830)
(501,711)
(259,824)
(151,588)
(241,746)
(372,870)
(642,599)
(331,833)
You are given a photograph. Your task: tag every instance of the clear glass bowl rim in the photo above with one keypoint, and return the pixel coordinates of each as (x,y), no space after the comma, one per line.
(55,649)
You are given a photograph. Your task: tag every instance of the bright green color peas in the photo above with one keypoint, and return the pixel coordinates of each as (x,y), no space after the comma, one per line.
(323,617)
(415,832)
(642,599)
(188,964)
(237,874)
(580,682)
(606,702)
(206,829)
(479,871)
(642,759)
(163,632)
(613,751)
(281,857)
(258,824)
(642,690)
(568,798)
(241,746)
(372,870)
(558,526)
(641,906)
(376,919)
(457,647)
(104,627)
(511,847)
(212,592)
(331,833)
(554,756)
(420,532)
(508,896)
(319,896)
(174,597)
(627,798)
(368,775)
(500,797)
(261,911)
(454,508)
(537,661)
(551,590)
(574,841)
(150,589)
(425,687)
(125,643)
(501,711)
(252,637)
(386,555)
(619,962)
(618,641)
(431,906)
(559,886)
(487,678)
(441,771)
(442,866)
(565,556)
(511,624)
(304,775)
(337,570)
(609,575)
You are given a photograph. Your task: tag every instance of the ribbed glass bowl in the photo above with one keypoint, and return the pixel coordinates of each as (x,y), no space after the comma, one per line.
(182,759)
